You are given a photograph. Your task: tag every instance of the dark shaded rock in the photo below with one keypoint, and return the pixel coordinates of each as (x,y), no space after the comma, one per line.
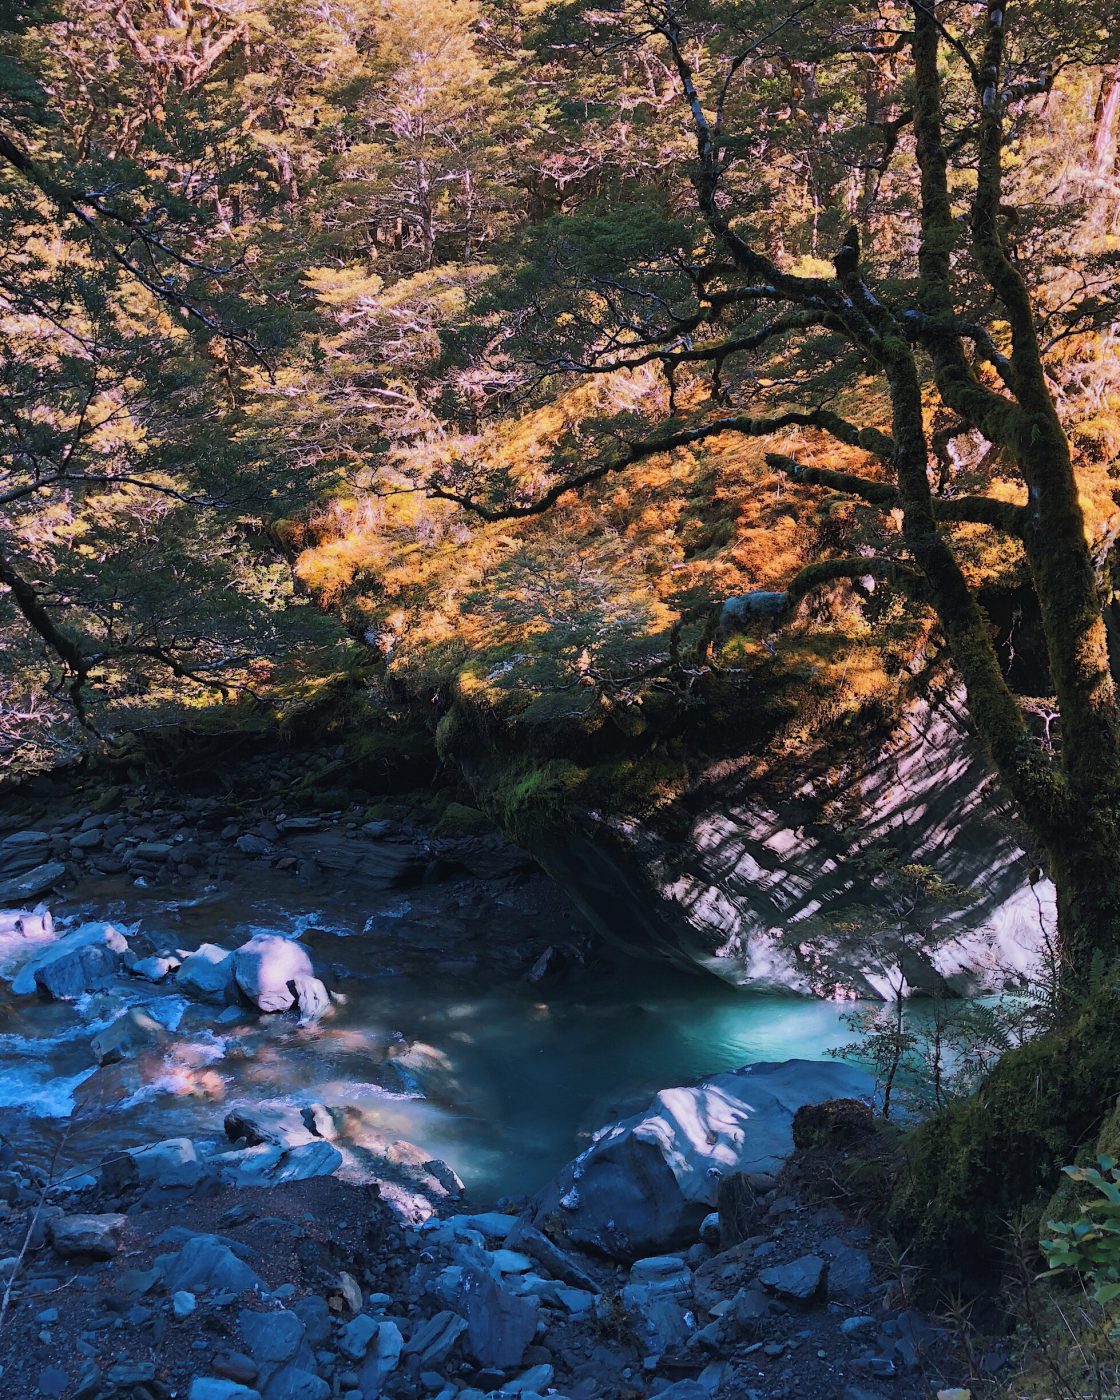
(499,1325)
(97,1236)
(801,1281)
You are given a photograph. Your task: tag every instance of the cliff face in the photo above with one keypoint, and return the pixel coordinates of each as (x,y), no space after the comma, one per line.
(890,864)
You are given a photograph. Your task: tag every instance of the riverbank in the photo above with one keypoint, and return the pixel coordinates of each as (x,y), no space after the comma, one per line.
(316,1289)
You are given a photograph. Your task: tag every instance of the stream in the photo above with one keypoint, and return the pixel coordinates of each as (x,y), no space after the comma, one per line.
(500,1078)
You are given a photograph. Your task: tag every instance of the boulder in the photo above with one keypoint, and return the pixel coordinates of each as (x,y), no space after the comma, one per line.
(281,1125)
(312,999)
(266,967)
(499,1325)
(131,1032)
(23,851)
(269,1165)
(646,1183)
(296,1383)
(433,1341)
(206,1263)
(78,962)
(751,875)
(174,1162)
(207,975)
(271,1337)
(96,1236)
(215,1388)
(35,883)
(800,1281)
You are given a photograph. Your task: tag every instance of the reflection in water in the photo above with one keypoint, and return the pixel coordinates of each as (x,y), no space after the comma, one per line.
(499,1083)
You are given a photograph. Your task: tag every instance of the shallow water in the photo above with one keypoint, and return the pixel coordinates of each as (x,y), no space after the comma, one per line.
(501,1081)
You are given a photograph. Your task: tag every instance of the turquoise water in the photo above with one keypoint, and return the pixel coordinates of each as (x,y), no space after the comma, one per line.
(503,1082)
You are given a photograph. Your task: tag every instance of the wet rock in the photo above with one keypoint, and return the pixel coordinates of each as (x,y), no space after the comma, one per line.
(312,999)
(207,975)
(40,880)
(283,1125)
(80,961)
(265,967)
(269,1165)
(154,969)
(647,1182)
(135,1030)
(97,1236)
(36,924)
(801,1281)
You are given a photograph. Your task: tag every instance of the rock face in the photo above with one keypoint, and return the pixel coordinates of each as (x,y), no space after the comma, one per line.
(731,874)
(647,1182)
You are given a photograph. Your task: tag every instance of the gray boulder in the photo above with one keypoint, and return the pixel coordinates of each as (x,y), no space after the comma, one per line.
(35,883)
(434,1341)
(270,1165)
(213,1388)
(23,850)
(78,962)
(281,1125)
(271,1338)
(499,1325)
(95,1236)
(174,1162)
(266,967)
(207,975)
(800,1281)
(296,1383)
(646,1183)
(382,1358)
(153,969)
(206,1263)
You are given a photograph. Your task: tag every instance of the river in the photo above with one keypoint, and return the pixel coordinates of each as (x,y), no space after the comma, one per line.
(499,1078)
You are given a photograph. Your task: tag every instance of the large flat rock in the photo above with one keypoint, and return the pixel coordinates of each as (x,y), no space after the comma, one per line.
(647,1182)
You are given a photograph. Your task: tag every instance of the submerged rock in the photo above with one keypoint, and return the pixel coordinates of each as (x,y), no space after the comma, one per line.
(647,1183)
(134,1030)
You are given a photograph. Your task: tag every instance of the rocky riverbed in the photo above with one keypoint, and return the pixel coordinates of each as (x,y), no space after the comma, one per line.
(173,1225)
(163,1277)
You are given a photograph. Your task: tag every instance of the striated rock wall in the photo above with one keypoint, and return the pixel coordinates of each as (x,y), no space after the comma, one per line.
(797,882)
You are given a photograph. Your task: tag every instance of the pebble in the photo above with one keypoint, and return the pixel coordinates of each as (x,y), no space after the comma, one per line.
(183,1303)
